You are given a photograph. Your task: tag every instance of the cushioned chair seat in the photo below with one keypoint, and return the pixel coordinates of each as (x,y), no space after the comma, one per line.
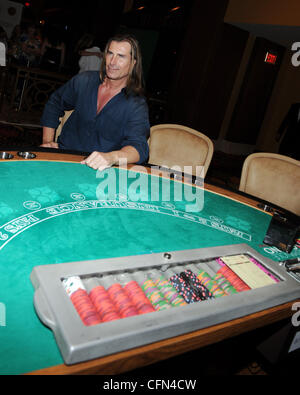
(174,146)
(274,178)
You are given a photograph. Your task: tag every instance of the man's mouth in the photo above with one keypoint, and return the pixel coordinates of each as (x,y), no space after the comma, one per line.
(112,68)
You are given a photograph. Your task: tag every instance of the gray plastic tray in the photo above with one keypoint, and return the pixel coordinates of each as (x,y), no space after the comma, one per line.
(78,342)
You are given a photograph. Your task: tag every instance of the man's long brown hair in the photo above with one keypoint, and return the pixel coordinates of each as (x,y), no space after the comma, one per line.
(135,82)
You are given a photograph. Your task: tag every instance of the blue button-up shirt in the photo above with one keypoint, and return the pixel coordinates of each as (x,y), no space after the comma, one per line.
(123,121)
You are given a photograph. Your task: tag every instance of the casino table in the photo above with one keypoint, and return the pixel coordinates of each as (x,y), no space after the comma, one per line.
(55,210)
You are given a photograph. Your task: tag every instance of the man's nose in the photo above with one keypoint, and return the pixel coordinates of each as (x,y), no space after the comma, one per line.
(113,59)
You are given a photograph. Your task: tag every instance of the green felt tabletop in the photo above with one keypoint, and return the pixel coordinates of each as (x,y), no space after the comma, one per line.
(54,212)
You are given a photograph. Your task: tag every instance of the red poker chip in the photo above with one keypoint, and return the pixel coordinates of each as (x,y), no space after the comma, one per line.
(104,305)
(121,300)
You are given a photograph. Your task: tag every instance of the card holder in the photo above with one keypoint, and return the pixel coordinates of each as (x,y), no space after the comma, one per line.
(282,233)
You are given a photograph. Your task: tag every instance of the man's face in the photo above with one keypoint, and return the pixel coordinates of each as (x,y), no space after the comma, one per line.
(118,60)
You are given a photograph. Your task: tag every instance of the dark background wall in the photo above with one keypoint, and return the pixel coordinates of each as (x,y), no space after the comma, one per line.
(191,59)
(255,93)
(196,58)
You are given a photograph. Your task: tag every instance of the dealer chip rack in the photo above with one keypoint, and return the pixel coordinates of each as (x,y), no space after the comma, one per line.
(78,343)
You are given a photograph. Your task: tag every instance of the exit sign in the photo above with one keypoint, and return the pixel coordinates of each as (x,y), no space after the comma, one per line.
(270,58)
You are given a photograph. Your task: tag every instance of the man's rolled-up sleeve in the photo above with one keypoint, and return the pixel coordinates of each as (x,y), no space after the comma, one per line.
(63,99)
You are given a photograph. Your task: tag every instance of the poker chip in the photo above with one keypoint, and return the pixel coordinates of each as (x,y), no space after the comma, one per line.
(156,298)
(207,281)
(169,292)
(138,297)
(81,301)
(201,290)
(184,289)
(238,284)
(104,305)
(85,307)
(224,284)
(124,305)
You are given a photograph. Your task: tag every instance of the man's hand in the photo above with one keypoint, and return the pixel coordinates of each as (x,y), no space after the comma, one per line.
(103,160)
(100,160)
(50,145)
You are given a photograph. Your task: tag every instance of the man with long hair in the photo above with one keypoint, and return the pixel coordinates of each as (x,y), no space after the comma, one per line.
(110,114)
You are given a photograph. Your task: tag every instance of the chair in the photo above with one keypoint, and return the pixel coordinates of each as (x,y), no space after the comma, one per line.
(172,145)
(274,178)
(63,120)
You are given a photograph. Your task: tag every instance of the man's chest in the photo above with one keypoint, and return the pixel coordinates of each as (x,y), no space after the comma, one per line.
(104,96)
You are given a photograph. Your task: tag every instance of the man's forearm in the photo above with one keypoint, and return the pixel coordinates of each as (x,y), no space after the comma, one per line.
(103,160)
(125,155)
(48,135)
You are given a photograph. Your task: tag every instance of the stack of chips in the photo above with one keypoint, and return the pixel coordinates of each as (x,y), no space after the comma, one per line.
(81,301)
(104,305)
(223,283)
(138,298)
(169,292)
(85,308)
(210,284)
(154,295)
(201,290)
(124,305)
(238,284)
(184,289)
